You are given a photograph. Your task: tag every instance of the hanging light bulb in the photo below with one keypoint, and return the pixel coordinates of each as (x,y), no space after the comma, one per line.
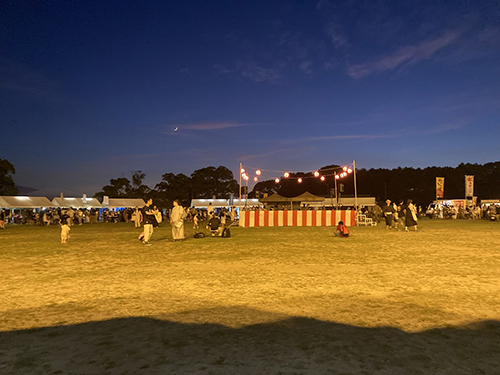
(242,170)
(344,169)
(286,174)
(316,174)
(258,172)
(255,179)
(322,178)
(337,176)
(299,180)
(349,170)
(277,180)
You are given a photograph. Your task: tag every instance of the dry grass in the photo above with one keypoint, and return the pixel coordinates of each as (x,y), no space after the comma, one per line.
(265,301)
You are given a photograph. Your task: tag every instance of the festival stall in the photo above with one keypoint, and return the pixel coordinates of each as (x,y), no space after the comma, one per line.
(76,202)
(307,218)
(124,203)
(13,202)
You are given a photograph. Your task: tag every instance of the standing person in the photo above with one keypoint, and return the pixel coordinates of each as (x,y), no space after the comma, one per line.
(149,220)
(401,210)
(411,216)
(2,218)
(388,212)
(210,210)
(137,217)
(195,221)
(177,221)
(63,222)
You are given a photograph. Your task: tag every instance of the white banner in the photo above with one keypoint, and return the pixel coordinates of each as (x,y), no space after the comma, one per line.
(469,186)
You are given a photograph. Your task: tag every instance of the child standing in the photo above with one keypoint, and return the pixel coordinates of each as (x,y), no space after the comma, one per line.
(63,222)
(342,230)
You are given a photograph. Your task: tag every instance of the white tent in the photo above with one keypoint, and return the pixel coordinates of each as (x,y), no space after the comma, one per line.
(124,202)
(204,203)
(24,202)
(76,202)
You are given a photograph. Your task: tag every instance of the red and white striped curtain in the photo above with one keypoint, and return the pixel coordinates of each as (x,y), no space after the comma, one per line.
(296,218)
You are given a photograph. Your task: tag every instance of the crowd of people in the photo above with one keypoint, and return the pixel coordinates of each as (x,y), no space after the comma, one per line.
(491,212)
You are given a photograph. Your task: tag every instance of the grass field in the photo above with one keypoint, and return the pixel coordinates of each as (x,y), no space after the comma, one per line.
(265,301)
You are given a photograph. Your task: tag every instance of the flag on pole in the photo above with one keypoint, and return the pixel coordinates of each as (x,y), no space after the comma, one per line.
(469,186)
(439,187)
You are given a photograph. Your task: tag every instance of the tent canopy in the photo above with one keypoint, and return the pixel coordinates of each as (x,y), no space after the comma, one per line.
(125,202)
(304,197)
(24,202)
(308,197)
(76,202)
(275,198)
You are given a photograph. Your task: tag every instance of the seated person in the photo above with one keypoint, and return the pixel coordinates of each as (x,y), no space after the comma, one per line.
(342,230)
(215,226)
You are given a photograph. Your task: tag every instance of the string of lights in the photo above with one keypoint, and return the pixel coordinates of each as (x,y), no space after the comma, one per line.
(344,172)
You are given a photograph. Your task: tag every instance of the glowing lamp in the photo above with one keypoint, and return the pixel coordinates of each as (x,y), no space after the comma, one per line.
(349,170)
(255,179)
(286,174)
(344,169)
(277,180)
(258,172)
(242,170)
(337,176)
(322,178)
(299,180)
(316,174)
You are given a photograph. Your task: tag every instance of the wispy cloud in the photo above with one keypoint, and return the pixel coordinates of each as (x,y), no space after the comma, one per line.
(332,30)
(254,71)
(340,137)
(408,55)
(205,126)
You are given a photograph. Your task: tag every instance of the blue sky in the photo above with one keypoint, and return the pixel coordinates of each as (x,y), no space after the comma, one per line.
(92,90)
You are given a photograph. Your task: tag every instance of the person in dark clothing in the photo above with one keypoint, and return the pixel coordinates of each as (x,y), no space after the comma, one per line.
(388,212)
(149,220)
(215,226)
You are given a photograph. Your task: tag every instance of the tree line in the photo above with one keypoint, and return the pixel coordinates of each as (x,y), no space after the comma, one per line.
(202,183)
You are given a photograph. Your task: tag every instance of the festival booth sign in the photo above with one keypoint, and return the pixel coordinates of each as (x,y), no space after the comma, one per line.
(12,202)
(76,202)
(309,218)
(124,203)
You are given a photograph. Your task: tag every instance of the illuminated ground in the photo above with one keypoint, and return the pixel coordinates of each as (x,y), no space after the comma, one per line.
(265,301)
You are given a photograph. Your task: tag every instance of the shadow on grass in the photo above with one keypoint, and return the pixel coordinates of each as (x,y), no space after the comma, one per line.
(282,345)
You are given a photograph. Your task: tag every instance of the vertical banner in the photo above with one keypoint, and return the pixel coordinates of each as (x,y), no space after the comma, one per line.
(469,186)
(439,187)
